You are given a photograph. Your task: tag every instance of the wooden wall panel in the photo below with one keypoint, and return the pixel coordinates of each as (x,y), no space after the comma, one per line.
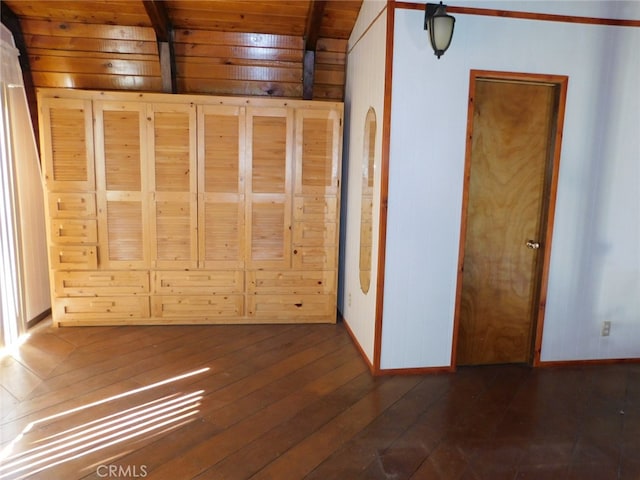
(113,12)
(73,54)
(242,48)
(284,17)
(239,63)
(330,69)
(339,18)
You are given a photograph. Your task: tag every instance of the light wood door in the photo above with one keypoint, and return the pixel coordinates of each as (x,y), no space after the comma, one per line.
(67,144)
(269,158)
(122,184)
(317,156)
(172,176)
(511,152)
(221,186)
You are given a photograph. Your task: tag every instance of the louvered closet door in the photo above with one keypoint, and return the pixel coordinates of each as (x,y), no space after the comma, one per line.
(269,157)
(317,166)
(67,154)
(67,144)
(221,197)
(172,176)
(123,194)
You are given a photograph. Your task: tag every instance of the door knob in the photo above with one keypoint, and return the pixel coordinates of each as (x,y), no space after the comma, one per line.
(533,245)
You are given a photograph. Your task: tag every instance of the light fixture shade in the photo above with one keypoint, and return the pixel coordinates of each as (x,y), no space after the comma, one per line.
(440,27)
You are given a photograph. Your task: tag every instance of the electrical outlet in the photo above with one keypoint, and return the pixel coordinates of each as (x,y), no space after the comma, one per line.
(349,299)
(606,328)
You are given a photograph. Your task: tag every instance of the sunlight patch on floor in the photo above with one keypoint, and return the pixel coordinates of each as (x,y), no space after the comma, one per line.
(150,418)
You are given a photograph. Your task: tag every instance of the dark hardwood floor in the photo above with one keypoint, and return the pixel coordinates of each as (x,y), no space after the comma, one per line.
(297,401)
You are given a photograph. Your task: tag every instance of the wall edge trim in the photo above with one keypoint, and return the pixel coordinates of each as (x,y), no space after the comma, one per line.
(545,17)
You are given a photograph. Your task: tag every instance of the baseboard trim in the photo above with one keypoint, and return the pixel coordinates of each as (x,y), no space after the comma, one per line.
(356,343)
(416,371)
(583,363)
(392,371)
(38,318)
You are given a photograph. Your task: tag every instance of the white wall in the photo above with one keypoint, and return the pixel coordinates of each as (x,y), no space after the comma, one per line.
(29,201)
(595,261)
(30,204)
(364,89)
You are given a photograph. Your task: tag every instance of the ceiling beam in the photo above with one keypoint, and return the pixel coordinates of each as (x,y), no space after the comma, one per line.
(314,21)
(311,34)
(157,12)
(12,22)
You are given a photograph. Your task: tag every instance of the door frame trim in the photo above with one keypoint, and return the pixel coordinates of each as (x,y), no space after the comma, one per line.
(561,82)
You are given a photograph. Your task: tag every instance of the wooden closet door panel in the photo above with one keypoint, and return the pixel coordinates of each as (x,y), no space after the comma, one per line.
(222,235)
(174,230)
(122,184)
(270,235)
(173,177)
(122,138)
(123,231)
(221,149)
(317,151)
(66,128)
(269,158)
(173,144)
(221,187)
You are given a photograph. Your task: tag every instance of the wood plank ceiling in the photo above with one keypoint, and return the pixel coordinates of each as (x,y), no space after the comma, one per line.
(280,48)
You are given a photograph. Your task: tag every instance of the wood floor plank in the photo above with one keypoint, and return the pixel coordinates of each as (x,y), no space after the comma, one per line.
(16,378)
(150,369)
(81,366)
(78,336)
(297,401)
(44,353)
(198,459)
(237,411)
(233,412)
(238,348)
(377,449)
(270,367)
(254,455)
(310,452)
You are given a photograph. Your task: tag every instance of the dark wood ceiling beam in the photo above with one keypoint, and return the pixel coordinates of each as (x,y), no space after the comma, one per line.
(311,34)
(314,21)
(157,12)
(12,22)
